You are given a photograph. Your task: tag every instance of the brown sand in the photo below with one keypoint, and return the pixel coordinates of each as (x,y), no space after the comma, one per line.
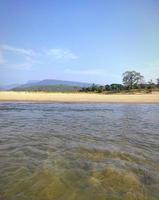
(78,97)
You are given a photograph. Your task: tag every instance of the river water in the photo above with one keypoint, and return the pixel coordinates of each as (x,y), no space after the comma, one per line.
(79,151)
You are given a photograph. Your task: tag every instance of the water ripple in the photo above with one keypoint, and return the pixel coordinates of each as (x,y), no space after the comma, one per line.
(79,151)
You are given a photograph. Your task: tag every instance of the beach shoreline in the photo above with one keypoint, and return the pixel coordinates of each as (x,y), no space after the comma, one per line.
(57,97)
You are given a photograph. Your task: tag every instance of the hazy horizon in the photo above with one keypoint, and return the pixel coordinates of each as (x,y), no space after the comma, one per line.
(84,41)
(32,81)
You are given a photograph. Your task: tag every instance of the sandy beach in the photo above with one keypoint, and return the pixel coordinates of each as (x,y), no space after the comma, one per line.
(78,97)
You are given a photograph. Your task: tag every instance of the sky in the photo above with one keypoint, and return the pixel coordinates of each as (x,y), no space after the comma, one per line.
(88,40)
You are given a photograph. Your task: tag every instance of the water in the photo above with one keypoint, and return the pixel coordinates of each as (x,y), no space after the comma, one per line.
(79,152)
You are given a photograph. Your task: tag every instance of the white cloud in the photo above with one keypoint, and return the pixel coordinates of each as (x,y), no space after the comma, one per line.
(61,54)
(26,55)
(27,58)
(27,52)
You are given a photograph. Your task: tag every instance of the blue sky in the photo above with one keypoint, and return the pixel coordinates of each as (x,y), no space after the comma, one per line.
(86,40)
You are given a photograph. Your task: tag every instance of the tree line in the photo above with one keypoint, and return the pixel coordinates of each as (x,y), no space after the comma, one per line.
(132,81)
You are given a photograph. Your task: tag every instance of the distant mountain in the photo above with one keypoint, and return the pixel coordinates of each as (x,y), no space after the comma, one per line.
(55,82)
(9,87)
(51,85)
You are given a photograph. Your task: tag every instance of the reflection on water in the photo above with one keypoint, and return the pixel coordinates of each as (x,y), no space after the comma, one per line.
(79,152)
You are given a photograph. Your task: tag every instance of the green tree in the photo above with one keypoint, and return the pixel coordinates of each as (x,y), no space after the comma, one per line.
(94,87)
(151,84)
(100,89)
(131,78)
(107,87)
(116,87)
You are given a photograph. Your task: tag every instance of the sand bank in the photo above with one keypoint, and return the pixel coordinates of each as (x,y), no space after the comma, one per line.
(78,97)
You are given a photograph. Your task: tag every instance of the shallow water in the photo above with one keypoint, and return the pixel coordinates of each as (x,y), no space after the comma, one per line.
(79,152)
